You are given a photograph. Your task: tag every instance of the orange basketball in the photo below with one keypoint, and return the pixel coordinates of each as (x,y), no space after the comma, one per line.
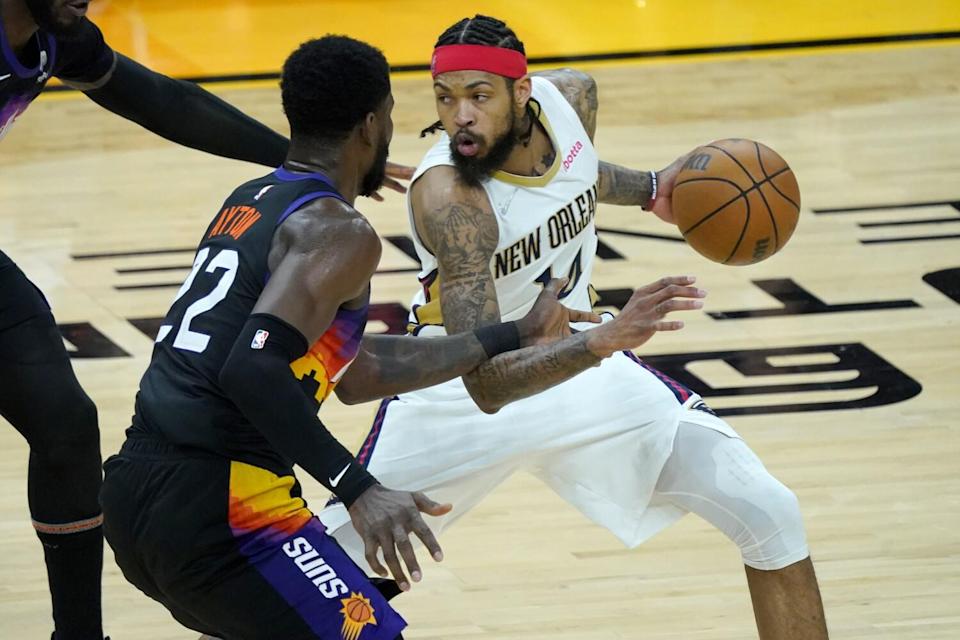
(736,201)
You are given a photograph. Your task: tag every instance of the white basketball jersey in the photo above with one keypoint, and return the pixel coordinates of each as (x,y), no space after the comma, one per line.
(546,222)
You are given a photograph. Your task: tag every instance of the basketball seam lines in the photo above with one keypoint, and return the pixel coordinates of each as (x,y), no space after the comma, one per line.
(741,189)
(782,194)
(743,230)
(757,185)
(743,194)
(727,180)
(773,219)
(763,169)
(734,158)
(715,211)
(770,179)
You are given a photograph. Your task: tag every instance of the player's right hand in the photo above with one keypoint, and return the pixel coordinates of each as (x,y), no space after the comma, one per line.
(384,519)
(666,178)
(644,315)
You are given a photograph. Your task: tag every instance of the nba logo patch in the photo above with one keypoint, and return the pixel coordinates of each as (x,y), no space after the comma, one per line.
(259,339)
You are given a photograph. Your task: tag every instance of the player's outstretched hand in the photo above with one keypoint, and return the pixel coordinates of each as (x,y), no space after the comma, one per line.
(395,173)
(385,518)
(548,320)
(645,314)
(666,178)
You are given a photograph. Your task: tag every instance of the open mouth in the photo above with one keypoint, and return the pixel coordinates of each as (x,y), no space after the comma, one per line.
(466,144)
(78,7)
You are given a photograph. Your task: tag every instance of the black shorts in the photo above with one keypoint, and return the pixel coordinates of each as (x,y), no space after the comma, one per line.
(232,551)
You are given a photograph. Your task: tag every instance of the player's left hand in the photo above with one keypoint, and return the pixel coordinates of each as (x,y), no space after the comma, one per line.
(666,178)
(548,320)
(395,173)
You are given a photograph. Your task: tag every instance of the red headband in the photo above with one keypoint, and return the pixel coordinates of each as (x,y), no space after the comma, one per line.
(478,57)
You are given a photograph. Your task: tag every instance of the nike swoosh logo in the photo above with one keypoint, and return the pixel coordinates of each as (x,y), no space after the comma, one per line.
(335,481)
(5,77)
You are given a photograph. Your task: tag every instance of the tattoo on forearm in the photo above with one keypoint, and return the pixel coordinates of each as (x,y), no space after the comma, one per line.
(519,374)
(619,185)
(397,364)
(464,237)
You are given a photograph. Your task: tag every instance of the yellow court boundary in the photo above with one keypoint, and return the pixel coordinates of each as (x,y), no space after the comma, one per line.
(232,37)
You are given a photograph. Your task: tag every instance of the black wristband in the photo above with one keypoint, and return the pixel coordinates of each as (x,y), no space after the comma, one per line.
(354,484)
(257,378)
(498,338)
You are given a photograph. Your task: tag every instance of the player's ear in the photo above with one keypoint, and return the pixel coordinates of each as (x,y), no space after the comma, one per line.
(522,88)
(370,128)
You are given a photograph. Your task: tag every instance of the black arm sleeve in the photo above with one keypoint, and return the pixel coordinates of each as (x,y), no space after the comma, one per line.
(183,112)
(257,378)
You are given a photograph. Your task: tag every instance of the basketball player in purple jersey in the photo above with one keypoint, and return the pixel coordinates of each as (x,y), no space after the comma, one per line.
(39,394)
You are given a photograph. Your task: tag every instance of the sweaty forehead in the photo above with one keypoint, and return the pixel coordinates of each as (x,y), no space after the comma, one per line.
(465,80)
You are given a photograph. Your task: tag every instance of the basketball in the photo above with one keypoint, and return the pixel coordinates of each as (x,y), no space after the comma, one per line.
(736,201)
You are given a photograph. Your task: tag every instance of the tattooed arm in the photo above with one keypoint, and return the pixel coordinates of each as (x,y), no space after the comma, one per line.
(627,187)
(616,184)
(389,365)
(619,185)
(458,226)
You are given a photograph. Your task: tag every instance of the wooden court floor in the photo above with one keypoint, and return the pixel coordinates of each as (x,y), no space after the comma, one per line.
(867,292)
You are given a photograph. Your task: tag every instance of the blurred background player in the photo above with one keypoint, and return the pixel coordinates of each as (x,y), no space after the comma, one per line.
(502,203)
(41,397)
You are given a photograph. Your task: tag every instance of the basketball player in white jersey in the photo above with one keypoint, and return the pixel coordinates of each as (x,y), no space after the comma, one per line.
(503,202)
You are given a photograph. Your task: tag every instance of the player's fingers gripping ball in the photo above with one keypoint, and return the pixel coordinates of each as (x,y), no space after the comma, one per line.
(736,201)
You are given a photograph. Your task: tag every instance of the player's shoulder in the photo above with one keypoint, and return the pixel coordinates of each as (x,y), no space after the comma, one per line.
(571,87)
(567,80)
(330,222)
(441,186)
(452,217)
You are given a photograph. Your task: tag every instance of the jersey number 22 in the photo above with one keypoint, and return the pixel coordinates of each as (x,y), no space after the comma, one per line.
(188,340)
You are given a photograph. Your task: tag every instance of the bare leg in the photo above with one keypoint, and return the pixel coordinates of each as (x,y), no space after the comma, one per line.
(786,602)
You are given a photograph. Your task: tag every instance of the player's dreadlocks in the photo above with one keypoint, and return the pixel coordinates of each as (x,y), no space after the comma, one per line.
(482,30)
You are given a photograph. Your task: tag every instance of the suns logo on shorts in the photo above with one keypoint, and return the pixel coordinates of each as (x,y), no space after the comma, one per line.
(357,613)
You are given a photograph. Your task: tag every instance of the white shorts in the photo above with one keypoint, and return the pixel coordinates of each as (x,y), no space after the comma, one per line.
(600,440)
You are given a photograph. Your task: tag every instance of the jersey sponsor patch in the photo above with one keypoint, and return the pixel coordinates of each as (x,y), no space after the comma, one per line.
(259,339)
(572,155)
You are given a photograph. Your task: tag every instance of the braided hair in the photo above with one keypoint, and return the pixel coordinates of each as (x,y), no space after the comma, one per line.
(482,30)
